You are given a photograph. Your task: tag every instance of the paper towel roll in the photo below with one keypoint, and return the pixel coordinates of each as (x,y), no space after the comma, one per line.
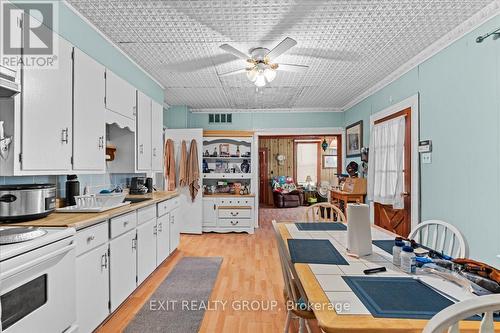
(359,233)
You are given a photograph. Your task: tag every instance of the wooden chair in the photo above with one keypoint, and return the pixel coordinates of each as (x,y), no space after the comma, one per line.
(324,212)
(442,237)
(295,296)
(449,318)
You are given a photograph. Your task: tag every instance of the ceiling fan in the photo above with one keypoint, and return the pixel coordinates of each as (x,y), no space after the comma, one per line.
(261,67)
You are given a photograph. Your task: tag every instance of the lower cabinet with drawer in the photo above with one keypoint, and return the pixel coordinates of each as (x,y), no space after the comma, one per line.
(228,214)
(92,277)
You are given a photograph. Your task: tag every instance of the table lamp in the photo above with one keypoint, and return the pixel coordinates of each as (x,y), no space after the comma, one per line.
(309,183)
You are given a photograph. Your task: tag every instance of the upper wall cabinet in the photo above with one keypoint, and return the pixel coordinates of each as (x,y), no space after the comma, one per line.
(157,136)
(143,132)
(46,114)
(120,95)
(89,144)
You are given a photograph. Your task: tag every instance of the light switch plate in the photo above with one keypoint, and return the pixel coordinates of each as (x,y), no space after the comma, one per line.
(426,158)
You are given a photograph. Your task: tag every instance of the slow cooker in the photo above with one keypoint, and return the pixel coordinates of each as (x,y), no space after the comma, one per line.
(22,202)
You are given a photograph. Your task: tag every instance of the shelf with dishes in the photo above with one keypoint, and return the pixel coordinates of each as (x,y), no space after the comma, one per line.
(227,176)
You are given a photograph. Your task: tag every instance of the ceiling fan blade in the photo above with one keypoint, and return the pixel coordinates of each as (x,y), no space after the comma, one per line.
(281,48)
(292,68)
(228,48)
(238,71)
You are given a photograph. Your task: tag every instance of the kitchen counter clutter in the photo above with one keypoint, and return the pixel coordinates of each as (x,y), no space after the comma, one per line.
(83,220)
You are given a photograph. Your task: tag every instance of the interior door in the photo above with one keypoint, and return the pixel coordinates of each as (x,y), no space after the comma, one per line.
(46,114)
(263,176)
(143,132)
(89,127)
(398,221)
(190,212)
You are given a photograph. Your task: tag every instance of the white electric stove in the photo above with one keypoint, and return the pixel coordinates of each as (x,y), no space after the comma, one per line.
(37,280)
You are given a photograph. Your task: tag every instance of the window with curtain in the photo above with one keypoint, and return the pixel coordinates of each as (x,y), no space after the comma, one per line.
(306,162)
(386,163)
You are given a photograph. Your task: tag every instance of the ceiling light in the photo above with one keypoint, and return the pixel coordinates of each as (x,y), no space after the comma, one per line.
(260,81)
(252,74)
(269,74)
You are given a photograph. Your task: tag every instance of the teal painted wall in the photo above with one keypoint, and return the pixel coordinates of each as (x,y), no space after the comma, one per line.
(459,92)
(180,117)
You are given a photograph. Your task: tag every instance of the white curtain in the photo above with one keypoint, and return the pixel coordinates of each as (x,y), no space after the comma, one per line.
(386,163)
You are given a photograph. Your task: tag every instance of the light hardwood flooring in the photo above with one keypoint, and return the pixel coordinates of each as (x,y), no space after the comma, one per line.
(250,271)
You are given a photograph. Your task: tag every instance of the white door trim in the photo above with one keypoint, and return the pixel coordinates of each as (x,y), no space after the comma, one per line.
(413,103)
(293,131)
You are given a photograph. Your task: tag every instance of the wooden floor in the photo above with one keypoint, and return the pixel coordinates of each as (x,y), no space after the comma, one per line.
(250,271)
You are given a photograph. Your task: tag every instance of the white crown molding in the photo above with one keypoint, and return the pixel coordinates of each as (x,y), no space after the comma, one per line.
(280,110)
(460,31)
(74,10)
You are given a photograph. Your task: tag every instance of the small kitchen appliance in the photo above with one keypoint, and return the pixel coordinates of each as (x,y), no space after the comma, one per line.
(138,185)
(22,202)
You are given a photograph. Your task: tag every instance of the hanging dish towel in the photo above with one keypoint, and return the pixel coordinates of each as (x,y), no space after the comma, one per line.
(170,165)
(193,171)
(183,180)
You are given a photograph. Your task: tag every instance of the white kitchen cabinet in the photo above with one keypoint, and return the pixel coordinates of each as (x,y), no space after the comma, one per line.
(123,267)
(175,229)
(120,95)
(92,288)
(156,136)
(163,238)
(209,212)
(89,144)
(146,249)
(143,132)
(46,114)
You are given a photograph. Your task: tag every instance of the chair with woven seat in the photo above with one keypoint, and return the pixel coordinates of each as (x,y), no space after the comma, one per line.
(442,237)
(324,212)
(295,296)
(450,317)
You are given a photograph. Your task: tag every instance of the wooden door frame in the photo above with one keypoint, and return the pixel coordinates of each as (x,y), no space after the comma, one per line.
(413,103)
(266,176)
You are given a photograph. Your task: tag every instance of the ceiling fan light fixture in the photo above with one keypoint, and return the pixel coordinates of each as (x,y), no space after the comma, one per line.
(252,74)
(260,81)
(269,74)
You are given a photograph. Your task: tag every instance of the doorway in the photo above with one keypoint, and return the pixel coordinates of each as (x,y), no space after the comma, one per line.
(397,220)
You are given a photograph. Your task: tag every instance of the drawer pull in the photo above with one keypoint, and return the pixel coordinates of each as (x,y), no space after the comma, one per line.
(90,238)
(234,213)
(234,222)
(125,223)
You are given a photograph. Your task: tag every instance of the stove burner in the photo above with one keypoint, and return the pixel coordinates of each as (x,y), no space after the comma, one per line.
(18,235)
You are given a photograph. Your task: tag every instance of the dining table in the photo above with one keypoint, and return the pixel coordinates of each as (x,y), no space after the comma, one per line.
(329,294)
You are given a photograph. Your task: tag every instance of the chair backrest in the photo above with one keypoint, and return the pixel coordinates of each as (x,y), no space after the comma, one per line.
(442,237)
(324,212)
(449,318)
(293,286)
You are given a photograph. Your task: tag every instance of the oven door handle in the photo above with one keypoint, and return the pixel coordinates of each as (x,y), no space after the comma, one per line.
(37,261)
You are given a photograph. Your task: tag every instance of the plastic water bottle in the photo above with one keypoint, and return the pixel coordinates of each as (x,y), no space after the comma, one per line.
(408,260)
(396,252)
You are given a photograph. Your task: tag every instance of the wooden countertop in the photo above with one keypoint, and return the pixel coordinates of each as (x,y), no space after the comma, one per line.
(83,220)
(228,195)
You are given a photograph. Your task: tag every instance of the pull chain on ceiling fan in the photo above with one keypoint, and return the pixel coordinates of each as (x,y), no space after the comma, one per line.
(262,68)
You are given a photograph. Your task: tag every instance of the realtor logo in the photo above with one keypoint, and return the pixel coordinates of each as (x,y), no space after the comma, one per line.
(27,33)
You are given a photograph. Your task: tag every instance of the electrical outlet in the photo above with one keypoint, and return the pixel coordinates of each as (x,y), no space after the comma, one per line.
(426,158)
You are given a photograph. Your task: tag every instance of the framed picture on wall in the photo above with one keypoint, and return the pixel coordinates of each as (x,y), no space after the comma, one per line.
(329,161)
(354,139)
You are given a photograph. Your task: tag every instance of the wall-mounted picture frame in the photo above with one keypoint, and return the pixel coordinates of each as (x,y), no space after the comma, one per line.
(354,139)
(329,161)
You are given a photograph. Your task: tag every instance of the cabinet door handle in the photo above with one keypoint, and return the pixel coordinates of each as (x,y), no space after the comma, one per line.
(101,142)
(155,230)
(64,135)
(215,207)
(154,152)
(134,243)
(104,261)
(134,111)
(141,148)
(160,227)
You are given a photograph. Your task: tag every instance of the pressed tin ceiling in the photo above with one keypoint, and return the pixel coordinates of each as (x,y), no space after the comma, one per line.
(348,45)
